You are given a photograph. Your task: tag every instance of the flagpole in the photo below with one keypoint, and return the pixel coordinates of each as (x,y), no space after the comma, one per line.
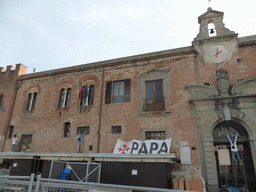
(209,3)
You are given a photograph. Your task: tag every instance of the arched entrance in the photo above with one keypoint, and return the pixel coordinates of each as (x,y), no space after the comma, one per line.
(237,173)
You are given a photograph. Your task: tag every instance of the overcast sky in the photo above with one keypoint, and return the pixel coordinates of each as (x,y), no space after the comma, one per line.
(51,34)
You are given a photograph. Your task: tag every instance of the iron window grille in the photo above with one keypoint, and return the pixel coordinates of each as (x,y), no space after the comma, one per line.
(157,135)
(82,130)
(116,129)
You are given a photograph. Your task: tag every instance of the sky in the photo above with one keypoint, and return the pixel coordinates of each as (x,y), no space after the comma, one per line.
(52,34)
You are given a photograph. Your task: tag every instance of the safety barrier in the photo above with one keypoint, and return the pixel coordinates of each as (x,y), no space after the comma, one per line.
(23,183)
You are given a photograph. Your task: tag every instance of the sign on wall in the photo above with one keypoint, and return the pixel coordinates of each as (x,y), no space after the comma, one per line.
(145,147)
(224,157)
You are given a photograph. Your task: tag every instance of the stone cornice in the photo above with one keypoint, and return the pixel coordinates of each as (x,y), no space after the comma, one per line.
(111,63)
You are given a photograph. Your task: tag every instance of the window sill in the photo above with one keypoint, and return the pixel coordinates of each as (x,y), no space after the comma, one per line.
(64,108)
(154,114)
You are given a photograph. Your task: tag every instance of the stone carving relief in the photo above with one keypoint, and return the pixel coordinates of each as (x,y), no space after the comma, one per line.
(222,82)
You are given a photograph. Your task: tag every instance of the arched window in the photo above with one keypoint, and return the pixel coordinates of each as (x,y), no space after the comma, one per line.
(65,96)
(31,101)
(87,96)
(212,30)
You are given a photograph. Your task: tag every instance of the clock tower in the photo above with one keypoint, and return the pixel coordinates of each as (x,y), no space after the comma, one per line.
(216,43)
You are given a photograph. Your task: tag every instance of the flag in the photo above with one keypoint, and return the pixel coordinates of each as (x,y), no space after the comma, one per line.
(80,95)
(85,92)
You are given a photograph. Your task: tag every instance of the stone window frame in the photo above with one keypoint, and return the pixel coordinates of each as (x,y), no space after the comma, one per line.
(151,75)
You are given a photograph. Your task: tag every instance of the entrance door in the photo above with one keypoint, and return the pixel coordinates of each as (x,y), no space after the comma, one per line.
(236,174)
(25,143)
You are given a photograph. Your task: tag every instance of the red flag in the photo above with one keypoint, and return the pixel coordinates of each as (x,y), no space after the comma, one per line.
(80,95)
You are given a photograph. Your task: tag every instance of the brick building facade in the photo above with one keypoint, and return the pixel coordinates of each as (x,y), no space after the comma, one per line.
(193,95)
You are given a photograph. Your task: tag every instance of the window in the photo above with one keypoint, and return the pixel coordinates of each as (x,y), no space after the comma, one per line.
(89,96)
(25,143)
(2,103)
(118,91)
(1,100)
(154,96)
(83,129)
(157,135)
(116,129)
(65,97)
(31,101)
(206,83)
(67,129)
(239,80)
(11,128)
(154,92)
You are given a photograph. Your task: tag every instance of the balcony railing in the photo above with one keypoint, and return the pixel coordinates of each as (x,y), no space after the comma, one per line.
(154,104)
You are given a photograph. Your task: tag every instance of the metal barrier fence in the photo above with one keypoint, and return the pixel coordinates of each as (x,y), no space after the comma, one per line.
(79,171)
(16,183)
(22,183)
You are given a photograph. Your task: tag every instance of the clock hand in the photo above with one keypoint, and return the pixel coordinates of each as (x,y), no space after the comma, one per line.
(218,52)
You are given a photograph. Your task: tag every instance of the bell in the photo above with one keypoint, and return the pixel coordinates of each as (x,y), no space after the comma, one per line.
(212,31)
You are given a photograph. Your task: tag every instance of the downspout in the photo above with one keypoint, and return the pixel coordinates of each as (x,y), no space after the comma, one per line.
(10,116)
(101,97)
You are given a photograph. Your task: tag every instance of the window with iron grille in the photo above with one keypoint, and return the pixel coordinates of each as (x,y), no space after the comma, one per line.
(157,135)
(118,91)
(67,129)
(116,129)
(82,130)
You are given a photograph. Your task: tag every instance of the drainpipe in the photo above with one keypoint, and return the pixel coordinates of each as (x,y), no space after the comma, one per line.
(10,116)
(101,97)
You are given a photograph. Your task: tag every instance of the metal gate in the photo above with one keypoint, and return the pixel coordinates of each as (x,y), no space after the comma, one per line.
(79,171)
(236,174)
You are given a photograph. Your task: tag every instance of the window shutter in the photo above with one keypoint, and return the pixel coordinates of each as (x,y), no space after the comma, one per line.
(108,92)
(127,90)
(62,92)
(68,96)
(29,100)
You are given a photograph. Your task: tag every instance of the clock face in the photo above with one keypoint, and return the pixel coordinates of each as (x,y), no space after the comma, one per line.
(217,54)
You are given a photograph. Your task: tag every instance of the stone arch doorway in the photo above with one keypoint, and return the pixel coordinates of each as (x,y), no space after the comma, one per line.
(237,173)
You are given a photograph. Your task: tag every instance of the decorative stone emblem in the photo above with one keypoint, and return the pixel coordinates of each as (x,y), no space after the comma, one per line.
(223,84)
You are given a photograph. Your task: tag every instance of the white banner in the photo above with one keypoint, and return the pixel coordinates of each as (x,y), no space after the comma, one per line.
(145,147)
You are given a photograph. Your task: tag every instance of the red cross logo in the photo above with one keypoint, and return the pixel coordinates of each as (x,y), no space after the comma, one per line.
(125,148)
